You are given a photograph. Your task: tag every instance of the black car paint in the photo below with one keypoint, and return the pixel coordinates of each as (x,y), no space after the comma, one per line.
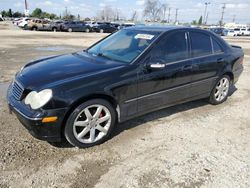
(75,26)
(133,89)
(107,28)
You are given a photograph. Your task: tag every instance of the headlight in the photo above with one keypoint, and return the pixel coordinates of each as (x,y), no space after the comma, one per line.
(38,100)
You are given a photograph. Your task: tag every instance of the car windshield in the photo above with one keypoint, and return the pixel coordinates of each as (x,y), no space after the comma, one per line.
(124,45)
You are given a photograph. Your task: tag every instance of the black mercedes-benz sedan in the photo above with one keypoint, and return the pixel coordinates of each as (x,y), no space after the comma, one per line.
(137,70)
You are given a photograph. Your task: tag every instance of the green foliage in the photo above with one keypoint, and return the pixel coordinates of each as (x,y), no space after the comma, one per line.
(194,22)
(37,13)
(69,17)
(200,21)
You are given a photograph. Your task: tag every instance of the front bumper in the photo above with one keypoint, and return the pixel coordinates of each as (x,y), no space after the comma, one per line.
(32,120)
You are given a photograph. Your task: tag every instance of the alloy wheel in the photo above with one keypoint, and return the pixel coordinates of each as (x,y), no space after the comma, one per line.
(92,124)
(221,90)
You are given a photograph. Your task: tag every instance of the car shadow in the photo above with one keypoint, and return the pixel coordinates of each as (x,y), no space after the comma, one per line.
(150,117)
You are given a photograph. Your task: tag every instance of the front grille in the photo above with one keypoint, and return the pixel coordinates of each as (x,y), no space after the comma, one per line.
(17,90)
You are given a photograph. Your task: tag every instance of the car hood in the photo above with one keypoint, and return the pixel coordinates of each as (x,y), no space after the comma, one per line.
(47,71)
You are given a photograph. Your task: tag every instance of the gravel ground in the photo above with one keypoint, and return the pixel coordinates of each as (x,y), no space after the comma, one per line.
(189,145)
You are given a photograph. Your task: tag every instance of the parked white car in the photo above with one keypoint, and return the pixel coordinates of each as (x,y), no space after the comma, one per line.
(231,33)
(24,22)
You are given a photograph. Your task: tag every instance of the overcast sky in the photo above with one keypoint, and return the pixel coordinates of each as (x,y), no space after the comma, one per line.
(188,9)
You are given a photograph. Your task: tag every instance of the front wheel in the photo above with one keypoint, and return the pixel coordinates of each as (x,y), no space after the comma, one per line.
(70,30)
(90,124)
(220,91)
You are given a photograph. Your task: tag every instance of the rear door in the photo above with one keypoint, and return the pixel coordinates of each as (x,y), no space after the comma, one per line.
(165,86)
(207,60)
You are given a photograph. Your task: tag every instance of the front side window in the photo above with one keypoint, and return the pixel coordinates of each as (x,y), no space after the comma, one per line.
(171,48)
(200,44)
(124,45)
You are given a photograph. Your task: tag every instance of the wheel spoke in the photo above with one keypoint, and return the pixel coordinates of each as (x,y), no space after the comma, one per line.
(87,113)
(103,119)
(217,93)
(92,134)
(84,132)
(81,123)
(102,129)
(98,112)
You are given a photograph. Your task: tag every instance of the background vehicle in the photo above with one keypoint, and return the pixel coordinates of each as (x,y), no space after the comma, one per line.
(56,25)
(72,26)
(104,28)
(39,25)
(1,19)
(84,94)
(219,31)
(23,23)
(237,31)
(231,33)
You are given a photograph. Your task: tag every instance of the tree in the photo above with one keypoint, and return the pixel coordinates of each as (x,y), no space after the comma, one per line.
(18,14)
(153,9)
(200,21)
(9,13)
(37,13)
(4,13)
(194,22)
(107,13)
(134,16)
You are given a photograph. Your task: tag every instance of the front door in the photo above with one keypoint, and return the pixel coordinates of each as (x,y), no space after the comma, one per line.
(165,73)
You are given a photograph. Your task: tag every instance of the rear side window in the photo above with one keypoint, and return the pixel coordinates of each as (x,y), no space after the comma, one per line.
(217,48)
(172,48)
(200,44)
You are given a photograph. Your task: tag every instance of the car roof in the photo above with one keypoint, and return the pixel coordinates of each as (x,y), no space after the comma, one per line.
(156,28)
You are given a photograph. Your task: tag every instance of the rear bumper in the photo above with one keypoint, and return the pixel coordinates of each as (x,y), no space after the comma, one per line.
(237,74)
(32,120)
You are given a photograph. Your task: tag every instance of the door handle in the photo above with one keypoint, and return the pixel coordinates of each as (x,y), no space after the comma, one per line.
(187,67)
(220,60)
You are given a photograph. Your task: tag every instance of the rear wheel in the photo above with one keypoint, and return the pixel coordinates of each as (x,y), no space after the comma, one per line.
(87,30)
(70,30)
(34,28)
(101,30)
(54,29)
(220,92)
(90,124)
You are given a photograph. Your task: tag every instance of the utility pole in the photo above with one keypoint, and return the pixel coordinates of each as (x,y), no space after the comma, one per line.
(234,18)
(222,14)
(206,18)
(169,9)
(66,11)
(205,12)
(26,9)
(176,15)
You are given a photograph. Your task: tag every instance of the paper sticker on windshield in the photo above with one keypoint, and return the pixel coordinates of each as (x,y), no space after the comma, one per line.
(144,36)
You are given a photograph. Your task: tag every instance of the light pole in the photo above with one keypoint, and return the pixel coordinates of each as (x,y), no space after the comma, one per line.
(205,13)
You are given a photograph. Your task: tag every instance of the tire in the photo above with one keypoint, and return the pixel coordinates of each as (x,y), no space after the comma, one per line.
(54,29)
(83,122)
(87,30)
(101,31)
(70,30)
(34,29)
(220,91)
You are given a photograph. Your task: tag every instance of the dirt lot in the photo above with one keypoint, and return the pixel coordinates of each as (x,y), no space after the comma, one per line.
(190,145)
